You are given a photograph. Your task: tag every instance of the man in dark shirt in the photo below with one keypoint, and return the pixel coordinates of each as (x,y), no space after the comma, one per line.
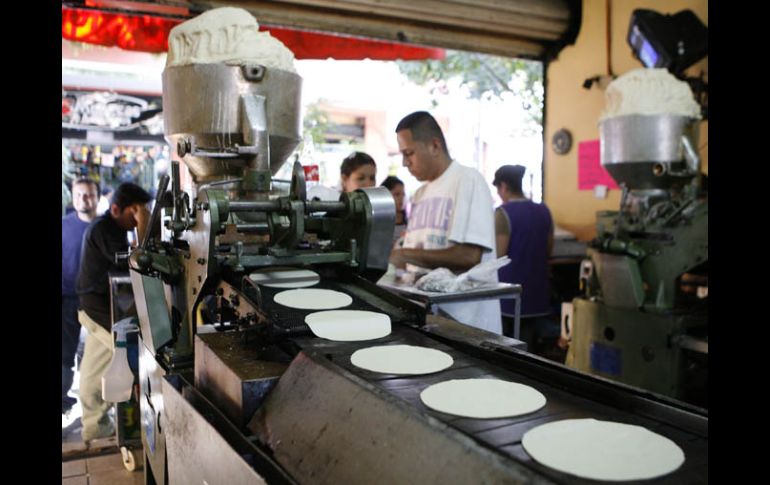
(85,194)
(524,232)
(106,236)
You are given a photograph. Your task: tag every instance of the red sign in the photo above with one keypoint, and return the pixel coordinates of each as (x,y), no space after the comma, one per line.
(311,173)
(140,30)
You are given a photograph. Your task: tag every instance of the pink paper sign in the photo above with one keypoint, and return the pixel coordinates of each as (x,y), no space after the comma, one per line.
(590,170)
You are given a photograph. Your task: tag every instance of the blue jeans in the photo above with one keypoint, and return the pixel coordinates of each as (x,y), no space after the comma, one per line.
(70,337)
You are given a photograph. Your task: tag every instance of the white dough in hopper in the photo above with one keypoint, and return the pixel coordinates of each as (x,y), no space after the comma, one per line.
(649,91)
(349,325)
(313,299)
(482,398)
(226,35)
(401,359)
(602,450)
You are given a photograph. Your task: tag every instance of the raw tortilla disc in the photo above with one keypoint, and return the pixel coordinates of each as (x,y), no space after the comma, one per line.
(272,278)
(313,299)
(401,359)
(349,325)
(482,398)
(603,450)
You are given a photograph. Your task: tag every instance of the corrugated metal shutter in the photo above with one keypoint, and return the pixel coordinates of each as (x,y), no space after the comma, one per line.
(516,28)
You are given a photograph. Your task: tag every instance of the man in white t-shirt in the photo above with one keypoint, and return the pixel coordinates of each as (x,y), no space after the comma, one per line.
(451,224)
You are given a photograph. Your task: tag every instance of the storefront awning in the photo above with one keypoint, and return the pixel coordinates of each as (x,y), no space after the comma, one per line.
(147,33)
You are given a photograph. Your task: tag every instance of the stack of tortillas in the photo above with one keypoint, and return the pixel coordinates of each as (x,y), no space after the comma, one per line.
(313,299)
(349,325)
(602,450)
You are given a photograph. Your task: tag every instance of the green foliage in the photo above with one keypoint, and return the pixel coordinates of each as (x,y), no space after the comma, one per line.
(484,76)
(315,124)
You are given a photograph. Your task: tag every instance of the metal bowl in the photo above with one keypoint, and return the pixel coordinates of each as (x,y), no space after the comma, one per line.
(203,101)
(648,151)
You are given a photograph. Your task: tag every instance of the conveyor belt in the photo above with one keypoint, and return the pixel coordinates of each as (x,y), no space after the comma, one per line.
(362,300)
(570,395)
(504,435)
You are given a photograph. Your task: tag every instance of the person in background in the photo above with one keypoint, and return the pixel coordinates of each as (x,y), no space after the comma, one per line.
(106,236)
(524,232)
(451,223)
(396,187)
(104,200)
(358,171)
(85,193)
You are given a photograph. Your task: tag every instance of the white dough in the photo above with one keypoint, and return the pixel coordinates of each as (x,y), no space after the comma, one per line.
(273,278)
(482,398)
(603,450)
(313,299)
(349,325)
(401,359)
(228,35)
(649,92)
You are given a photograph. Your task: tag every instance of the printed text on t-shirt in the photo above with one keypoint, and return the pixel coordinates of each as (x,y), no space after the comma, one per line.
(433,213)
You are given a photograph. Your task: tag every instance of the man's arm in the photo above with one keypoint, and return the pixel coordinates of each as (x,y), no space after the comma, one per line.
(502,232)
(458,258)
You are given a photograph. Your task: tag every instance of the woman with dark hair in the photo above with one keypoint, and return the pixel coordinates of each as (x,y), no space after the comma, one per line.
(396,187)
(358,171)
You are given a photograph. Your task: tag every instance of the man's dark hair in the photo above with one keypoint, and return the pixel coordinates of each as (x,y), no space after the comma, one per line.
(87,181)
(128,194)
(352,162)
(424,128)
(511,175)
(391,182)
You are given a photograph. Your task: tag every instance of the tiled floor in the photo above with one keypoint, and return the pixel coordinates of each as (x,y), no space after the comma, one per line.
(99,470)
(99,462)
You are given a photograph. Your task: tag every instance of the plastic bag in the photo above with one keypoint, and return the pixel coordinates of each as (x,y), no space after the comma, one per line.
(442,280)
(439,280)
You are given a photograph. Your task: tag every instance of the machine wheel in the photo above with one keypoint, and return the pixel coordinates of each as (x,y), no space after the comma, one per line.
(129,461)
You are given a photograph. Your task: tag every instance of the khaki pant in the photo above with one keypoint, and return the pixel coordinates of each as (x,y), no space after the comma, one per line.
(96,358)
